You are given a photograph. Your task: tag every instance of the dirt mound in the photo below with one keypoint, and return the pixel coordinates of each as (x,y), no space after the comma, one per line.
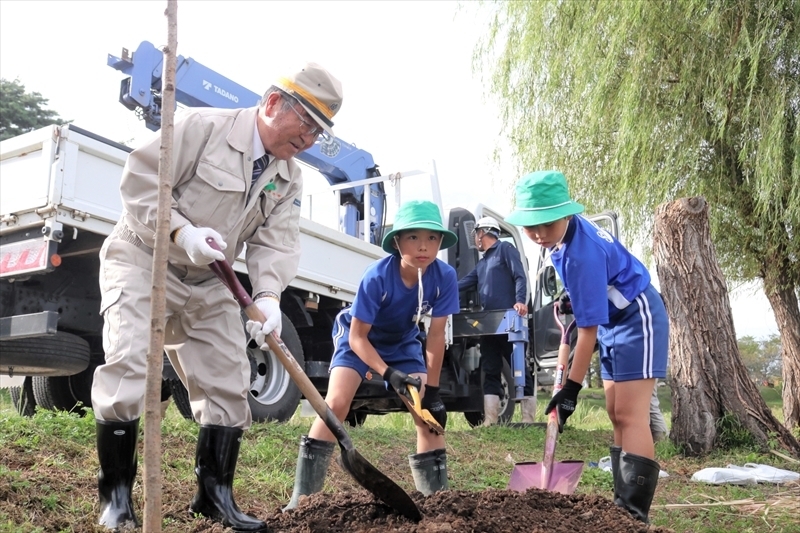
(491,511)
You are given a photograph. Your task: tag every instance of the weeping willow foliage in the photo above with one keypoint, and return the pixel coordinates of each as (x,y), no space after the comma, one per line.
(641,102)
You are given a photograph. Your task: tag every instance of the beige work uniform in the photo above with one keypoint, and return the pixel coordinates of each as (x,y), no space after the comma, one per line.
(204,338)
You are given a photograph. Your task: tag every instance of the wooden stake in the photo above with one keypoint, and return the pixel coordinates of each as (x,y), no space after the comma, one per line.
(784,456)
(158,302)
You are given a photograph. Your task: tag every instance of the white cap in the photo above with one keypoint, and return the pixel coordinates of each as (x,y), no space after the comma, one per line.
(488,223)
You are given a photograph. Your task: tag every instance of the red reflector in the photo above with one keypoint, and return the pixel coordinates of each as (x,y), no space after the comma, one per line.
(55,260)
(24,256)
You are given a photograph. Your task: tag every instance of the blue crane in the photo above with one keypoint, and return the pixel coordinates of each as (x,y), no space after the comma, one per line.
(199,86)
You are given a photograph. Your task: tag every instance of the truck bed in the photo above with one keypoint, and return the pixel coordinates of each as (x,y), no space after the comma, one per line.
(67,178)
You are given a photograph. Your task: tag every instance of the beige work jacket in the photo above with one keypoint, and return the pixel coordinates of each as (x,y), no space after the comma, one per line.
(212,170)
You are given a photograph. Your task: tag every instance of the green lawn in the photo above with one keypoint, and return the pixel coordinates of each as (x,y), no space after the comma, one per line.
(48,468)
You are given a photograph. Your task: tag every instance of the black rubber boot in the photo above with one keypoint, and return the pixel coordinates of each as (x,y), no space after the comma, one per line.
(429,470)
(116,450)
(312,467)
(217,453)
(615,450)
(638,477)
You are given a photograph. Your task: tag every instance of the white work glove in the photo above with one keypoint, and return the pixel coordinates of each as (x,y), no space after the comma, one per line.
(193,240)
(271,309)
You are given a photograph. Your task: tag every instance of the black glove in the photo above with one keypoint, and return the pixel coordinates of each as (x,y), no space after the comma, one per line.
(398,380)
(433,403)
(565,304)
(564,401)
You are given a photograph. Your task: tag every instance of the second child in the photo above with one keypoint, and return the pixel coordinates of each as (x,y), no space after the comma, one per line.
(380,333)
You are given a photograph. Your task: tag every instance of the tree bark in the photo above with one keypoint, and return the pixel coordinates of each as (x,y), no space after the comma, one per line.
(709,380)
(783,300)
(158,300)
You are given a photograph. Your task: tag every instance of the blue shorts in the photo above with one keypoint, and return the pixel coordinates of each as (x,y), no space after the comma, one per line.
(634,344)
(407,358)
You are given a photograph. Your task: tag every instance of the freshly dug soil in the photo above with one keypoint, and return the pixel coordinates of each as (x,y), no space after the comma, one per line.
(490,511)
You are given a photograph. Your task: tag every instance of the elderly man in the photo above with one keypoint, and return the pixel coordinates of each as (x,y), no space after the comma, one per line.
(236,182)
(502,284)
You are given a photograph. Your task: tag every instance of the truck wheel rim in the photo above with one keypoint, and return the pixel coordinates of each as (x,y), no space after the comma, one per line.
(269,381)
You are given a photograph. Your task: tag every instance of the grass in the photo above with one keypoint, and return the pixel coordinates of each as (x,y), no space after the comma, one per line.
(48,468)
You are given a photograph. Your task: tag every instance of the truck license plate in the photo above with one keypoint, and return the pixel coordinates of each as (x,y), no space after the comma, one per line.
(23,257)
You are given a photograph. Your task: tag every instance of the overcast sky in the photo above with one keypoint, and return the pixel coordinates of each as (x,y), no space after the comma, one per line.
(410,95)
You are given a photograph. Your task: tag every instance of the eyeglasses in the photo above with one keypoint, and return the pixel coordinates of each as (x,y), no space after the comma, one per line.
(308,129)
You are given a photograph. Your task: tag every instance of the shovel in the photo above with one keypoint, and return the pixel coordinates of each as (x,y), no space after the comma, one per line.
(415,406)
(556,476)
(353,462)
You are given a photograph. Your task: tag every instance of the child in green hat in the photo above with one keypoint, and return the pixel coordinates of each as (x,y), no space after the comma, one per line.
(616,307)
(380,332)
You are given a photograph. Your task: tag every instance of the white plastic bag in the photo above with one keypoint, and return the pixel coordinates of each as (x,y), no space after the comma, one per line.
(766,473)
(720,476)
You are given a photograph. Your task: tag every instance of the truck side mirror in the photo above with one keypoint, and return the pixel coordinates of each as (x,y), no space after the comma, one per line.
(550,284)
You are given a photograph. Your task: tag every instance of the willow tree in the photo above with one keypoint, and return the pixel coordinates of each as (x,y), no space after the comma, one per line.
(643,102)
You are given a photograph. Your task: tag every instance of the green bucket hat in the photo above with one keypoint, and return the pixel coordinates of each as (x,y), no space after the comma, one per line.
(418,214)
(542,197)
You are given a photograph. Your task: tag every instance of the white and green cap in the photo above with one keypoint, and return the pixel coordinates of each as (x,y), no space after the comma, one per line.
(542,197)
(418,214)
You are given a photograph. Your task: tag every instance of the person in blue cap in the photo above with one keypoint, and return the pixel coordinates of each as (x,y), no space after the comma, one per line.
(380,333)
(616,307)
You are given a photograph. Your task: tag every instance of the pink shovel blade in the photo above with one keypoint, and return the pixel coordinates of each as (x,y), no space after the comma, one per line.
(566,475)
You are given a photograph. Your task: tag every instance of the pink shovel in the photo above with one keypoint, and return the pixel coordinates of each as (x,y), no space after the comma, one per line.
(556,476)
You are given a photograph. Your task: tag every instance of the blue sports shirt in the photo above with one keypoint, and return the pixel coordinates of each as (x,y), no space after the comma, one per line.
(390,307)
(601,276)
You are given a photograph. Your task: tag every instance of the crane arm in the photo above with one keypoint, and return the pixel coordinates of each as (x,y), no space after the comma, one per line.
(199,86)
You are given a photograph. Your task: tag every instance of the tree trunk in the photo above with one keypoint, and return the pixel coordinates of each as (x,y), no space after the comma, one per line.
(158,300)
(709,380)
(783,300)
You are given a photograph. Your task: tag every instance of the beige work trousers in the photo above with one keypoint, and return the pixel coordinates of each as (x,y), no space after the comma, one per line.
(204,340)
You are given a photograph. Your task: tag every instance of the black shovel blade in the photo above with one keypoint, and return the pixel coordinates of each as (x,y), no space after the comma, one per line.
(379,484)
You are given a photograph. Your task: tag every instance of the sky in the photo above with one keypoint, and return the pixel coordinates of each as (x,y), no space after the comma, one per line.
(411,97)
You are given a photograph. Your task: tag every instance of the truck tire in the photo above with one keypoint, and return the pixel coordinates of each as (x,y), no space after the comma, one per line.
(55,393)
(70,393)
(181,398)
(273,395)
(62,354)
(507,406)
(23,399)
(355,419)
(81,383)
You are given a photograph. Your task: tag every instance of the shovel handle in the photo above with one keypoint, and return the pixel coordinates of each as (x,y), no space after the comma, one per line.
(415,405)
(562,363)
(226,274)
(353,462)
(551,433)
(412,390)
